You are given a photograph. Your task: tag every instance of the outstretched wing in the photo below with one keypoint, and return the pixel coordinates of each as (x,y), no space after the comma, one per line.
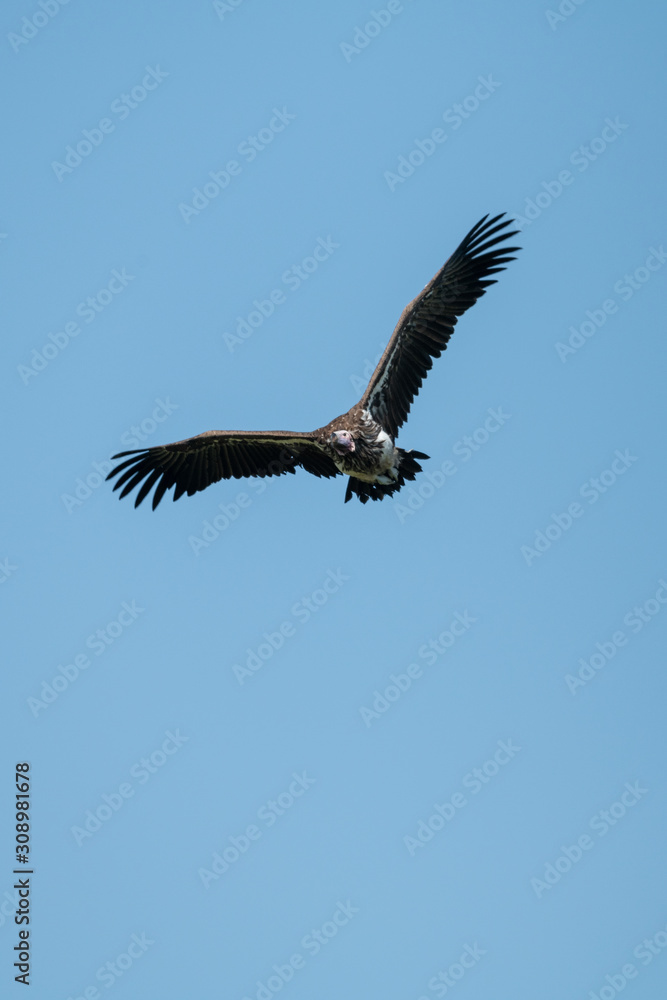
(195,463)
(427,323)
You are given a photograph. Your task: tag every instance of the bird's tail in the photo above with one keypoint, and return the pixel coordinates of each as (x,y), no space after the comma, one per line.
(407,469)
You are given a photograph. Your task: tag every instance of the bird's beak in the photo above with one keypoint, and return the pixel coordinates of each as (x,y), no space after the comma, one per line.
(341,444)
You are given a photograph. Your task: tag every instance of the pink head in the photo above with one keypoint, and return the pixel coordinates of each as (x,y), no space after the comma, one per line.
(342,442)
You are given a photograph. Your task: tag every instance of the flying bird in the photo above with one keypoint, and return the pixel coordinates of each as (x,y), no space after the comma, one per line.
(360,443)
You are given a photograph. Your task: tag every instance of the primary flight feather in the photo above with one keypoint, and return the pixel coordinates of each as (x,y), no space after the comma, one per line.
(360,443)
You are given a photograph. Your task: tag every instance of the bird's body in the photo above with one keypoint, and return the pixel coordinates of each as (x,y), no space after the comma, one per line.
(360,443)
(361,449)
(376,458)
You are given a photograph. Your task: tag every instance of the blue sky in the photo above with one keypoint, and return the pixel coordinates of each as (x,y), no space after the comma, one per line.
(279,744)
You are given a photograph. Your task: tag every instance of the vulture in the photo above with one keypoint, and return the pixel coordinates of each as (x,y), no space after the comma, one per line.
(360,443)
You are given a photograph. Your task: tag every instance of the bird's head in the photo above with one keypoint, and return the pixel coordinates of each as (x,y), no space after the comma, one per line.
(342,442)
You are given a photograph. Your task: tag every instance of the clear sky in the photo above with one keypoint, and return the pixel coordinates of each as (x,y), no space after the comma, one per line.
(279,744)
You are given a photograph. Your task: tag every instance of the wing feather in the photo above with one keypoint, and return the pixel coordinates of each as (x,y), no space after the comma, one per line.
(195,463)
(148,485)
(427,323)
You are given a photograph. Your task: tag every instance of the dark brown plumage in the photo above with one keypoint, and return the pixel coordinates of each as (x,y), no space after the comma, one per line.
(359,443)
